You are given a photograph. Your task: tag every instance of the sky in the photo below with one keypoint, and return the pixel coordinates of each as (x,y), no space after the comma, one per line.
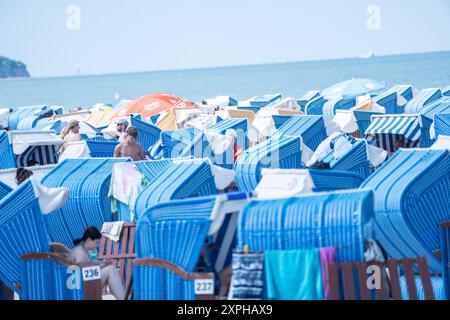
(116,36)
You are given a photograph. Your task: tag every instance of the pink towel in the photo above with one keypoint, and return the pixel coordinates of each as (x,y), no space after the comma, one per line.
(327,256)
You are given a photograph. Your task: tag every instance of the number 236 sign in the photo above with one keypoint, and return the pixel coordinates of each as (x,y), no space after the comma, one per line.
(91,273)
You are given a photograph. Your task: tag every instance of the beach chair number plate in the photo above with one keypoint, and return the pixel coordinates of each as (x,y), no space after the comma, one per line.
(204,286)
(91,273)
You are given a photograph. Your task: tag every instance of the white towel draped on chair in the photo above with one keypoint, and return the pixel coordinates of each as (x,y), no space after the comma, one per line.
(50,199)
(112,230)
(75,149)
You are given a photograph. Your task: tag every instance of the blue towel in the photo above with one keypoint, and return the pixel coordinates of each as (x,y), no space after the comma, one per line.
(293,275)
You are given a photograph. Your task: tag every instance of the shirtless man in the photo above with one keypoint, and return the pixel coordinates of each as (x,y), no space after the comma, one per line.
(129,147)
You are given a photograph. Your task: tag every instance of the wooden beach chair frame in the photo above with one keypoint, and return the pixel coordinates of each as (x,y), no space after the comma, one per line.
(121,254)
(389,275)
(179,272)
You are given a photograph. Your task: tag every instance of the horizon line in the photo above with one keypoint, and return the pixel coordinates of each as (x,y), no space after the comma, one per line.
(220,67)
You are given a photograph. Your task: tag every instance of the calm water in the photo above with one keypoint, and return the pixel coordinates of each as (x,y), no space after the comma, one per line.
(290,79)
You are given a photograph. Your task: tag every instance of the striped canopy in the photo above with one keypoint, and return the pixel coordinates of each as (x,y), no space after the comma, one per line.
(387,130)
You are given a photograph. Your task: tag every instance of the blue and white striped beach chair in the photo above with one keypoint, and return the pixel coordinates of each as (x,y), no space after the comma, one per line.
(88,181)
(437,107)
(330,107)
(47,276)
(363,119)
(239,125)
(41,146)
(355,160)
(277,152)
(22,231)
(266,100)
(309,221)
(411,199)
(184,225)
(183,143)
(442,124)
(331,180)
(310,128)
(312,94)
(412,130)
(100,148)
(314,106)
(180,180)
(21,113)
(388,100)
(425,97)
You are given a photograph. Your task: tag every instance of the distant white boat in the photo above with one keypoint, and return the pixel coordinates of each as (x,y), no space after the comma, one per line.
(368,55)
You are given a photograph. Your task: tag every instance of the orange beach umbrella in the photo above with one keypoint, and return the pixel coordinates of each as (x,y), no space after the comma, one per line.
(152,104)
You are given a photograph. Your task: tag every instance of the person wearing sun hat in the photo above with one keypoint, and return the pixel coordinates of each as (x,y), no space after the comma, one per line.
(70,133)
(122,126)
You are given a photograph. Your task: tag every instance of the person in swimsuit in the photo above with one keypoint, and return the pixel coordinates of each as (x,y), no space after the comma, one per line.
(70,133)
(80,254)
(129,147)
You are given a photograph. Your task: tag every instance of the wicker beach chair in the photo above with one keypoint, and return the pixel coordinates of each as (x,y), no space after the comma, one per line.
(425,97)
(100,148)
(355,160)
(88,204)
(185,179)
(22,231)
(41,146)
(411,200)
(330,107)
(442,124)
(330,180)
(310,128)
(306,98)
(412,130)
(277,152)
(440,106)
(50,276)
(314,106)
(189,142)
(239,125)
(388,100)
(308,221)
(165,269)
(21,113)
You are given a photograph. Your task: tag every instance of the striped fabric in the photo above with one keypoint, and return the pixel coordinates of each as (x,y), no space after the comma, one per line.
(425,97)
(44,155)
(442,124)
(411,199)
(388,129)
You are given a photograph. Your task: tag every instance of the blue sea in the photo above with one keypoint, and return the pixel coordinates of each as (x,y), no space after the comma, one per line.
(241,82)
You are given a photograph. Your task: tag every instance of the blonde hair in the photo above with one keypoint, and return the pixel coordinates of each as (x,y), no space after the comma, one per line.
(64,132)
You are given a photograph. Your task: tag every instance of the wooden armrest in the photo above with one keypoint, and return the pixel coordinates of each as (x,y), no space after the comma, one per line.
(57,247)
(178,271)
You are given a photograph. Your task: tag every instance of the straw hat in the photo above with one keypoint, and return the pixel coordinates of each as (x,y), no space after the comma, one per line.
(73,124)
